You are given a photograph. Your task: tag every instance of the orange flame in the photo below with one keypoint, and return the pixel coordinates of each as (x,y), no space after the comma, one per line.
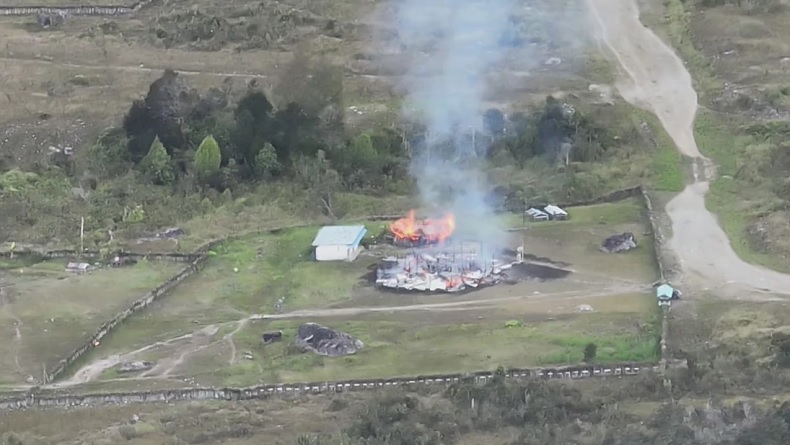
(430,230)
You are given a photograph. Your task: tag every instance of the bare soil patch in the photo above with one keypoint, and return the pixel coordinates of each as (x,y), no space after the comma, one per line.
(48,312)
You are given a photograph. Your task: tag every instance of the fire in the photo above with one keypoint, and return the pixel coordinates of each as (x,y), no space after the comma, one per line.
(428,230)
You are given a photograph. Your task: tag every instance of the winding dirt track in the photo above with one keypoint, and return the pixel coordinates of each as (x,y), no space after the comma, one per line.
(655,78)
(194,342)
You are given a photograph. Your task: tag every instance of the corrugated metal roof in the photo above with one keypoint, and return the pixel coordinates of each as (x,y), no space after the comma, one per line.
(555,210)
(533,211)
(339,236)
(665,290)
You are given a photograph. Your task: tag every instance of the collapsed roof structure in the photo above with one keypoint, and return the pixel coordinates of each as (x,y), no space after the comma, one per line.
(445,270)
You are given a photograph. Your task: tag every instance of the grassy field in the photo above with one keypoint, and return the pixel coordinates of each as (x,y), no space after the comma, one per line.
(47,312)
(736,58)
(447,333)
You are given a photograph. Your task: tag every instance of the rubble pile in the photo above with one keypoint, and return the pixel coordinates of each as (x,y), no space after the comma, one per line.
(445,271)
(619,243)
(325,341)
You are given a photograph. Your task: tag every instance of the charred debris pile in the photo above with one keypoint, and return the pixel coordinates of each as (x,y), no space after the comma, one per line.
(433,260)
(451,267)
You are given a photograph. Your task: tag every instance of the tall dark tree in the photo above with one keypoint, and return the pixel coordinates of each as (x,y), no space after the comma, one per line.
(254,126)
(494,122)
(166,106)
(296,133)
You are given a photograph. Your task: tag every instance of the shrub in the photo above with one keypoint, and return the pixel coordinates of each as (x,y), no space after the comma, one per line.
(590,351)
(266,163)
(156,164)
(208,159)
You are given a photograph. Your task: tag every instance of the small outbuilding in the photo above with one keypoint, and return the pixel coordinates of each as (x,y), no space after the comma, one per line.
(556,213)
(338,243)
(536,215)
(665,294)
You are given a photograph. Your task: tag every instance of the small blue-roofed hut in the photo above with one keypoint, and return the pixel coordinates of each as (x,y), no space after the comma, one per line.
(338,243)
(665,294)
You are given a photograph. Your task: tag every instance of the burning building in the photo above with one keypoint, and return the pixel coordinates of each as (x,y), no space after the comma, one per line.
(450,269)
(411,232)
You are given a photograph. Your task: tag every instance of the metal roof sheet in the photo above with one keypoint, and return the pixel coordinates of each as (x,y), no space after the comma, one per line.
(665,290)
(555,210)
(534,211)
(339,235)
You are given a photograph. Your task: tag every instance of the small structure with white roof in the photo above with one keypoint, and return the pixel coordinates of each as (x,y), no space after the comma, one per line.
(338,243)
(665,294)
(555,212)
(537,215)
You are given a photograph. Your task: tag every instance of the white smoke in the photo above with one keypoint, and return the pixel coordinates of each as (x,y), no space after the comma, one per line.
(460,41)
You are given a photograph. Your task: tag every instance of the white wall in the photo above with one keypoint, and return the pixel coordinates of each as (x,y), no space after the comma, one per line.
(331,253)
(336,253)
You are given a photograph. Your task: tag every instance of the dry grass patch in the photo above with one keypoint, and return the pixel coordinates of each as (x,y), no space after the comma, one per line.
(48,312)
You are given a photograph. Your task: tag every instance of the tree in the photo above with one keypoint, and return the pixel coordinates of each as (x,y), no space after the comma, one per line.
(156,164)
(108,157)
(320,181)
(254,124)
(266,163)
(208,158)
(590,351)
(364,153)
(494,121)
(168,103)
(296,132)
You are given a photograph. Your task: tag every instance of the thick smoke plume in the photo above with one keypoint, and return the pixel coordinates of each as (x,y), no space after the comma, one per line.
(460,41)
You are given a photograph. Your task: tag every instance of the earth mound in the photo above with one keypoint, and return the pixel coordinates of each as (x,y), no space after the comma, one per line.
(325,341)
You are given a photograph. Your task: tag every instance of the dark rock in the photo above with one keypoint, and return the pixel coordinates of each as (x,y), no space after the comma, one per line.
(271,337)
(619,243)
(325,341)
(172,233)
(50,20)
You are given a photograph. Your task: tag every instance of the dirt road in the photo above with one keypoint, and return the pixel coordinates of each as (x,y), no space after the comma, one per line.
(653,77)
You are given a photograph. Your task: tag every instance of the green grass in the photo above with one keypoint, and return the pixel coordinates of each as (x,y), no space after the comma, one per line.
(621,212)
(717,137)
(404,349)
(248,276)
(677,25)
(286,270)
(270,266)
(59,310)
(18,263)
(735,201)
(666,169)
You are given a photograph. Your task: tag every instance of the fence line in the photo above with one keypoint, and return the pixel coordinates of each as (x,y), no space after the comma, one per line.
(32,399)
(200,255)
(141,303)
(658,241)
(97,255)
(658,244)
(96,10)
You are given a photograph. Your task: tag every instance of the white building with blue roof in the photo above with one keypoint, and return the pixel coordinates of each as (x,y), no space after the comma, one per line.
(338,243)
